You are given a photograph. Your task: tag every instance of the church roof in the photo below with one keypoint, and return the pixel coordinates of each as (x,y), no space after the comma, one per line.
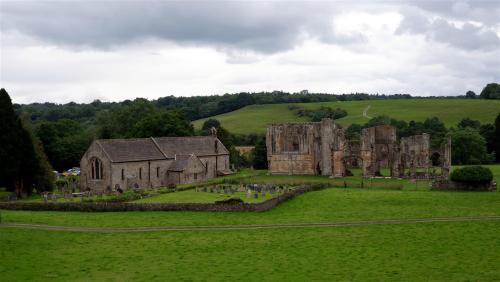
(158,148)
(197,145)
(180,163)
(130,150)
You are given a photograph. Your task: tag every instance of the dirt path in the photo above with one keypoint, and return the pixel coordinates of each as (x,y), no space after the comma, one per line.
(365,112)
(247,227)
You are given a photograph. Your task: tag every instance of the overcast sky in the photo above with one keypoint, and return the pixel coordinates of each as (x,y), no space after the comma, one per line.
(62,51)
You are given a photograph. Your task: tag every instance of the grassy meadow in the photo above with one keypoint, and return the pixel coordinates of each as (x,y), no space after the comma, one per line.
(255,118)
(433,251)
(459,251)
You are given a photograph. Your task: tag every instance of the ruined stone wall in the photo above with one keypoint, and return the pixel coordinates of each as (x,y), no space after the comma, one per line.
(446,159)
(378,149)
(306,148)
(292,148)
(353,154)
(415,154)
(320,148)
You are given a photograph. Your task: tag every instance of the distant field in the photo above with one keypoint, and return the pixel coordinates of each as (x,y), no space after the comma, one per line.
(254,119)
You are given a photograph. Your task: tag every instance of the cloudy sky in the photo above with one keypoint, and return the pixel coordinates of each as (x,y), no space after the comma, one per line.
(61,51)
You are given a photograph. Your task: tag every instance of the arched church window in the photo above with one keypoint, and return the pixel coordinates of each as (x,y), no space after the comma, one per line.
(96,169)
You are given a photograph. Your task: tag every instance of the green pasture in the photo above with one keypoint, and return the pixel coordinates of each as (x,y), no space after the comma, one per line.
(255,118)
(439,251)
(459,251)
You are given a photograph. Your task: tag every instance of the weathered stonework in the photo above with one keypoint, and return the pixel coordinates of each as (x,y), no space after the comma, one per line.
(415,154)
(315,148)
(122,164)
(320,148)
(378,149)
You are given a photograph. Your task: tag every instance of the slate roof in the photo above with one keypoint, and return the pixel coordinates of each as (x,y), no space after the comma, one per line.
(158,148)
(130,150)
(198,145)
(180,163)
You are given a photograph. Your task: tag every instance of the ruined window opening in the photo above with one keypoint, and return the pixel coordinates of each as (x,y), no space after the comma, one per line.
(140,173)
(123,174)
(436,159)
(157,172)
(195,176)
(295,146)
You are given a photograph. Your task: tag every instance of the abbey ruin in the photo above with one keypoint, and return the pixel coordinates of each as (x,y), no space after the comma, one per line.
(320,148)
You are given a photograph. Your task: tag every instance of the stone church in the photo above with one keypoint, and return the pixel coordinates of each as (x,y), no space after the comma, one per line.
(121,164)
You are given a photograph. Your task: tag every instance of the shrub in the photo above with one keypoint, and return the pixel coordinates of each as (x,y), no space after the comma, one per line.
(472,175)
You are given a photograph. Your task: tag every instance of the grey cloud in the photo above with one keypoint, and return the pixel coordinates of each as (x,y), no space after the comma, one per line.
(468,36)
(484,11)
(260,26)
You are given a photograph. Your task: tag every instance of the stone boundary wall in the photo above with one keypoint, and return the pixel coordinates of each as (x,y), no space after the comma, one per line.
(121,207)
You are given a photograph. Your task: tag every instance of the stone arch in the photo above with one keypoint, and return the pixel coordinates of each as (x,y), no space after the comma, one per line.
(436,158)
(96,169)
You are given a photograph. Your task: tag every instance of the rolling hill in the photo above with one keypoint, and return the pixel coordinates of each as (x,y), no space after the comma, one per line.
(254,118)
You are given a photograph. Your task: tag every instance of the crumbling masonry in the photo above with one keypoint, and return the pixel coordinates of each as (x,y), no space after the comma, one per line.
(320,148)
(315,148)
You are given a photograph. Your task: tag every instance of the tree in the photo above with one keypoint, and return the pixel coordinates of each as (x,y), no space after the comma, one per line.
(260,154)
(353,132)
(120,122)
(64,141)
(378,120)
(164,123)
(491,91)
(496,138)
(23,165)
(488,133)
(209,123)
(470,95)
(468,147)
(467,122)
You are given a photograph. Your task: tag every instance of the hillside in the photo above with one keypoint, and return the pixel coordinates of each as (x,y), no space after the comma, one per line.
(254,119)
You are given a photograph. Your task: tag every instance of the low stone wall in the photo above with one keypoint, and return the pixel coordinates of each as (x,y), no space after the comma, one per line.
(460,186)
(118,207)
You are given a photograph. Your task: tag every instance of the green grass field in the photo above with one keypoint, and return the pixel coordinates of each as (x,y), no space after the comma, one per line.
(255,118)
(421,252)
(438,251)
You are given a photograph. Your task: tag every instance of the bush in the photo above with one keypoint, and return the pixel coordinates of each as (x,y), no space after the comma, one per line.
(472,175)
